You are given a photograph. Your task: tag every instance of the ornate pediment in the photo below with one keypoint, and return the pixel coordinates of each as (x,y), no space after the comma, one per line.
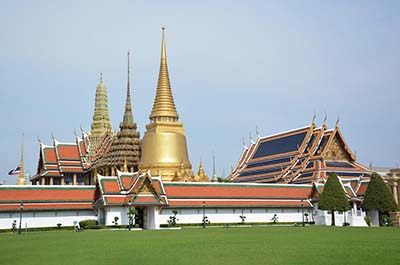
(336,151)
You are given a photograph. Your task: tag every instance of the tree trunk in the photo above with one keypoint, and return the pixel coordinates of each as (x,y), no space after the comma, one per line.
(333,218)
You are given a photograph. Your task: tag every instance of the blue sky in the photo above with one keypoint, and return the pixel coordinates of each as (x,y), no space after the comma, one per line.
(233,65)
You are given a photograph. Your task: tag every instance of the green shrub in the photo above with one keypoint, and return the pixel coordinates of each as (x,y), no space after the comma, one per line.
(86,223)
(367,220)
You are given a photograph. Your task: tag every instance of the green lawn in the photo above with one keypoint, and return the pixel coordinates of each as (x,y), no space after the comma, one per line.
(252,245)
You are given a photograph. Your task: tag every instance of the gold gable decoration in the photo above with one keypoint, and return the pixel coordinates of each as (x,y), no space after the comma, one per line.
(336,151)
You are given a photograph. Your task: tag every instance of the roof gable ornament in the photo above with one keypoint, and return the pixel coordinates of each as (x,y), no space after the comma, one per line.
(258,132)
(325,118)
(244,143)
(251,138)
(337,121)
(313,119)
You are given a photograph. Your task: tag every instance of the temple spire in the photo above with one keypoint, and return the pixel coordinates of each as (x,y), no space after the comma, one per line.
(124,152)
(164,107)
(101,119)
(128,116)
(21,176)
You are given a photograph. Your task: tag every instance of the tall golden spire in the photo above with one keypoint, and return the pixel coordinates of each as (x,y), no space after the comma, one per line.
(164,107)
(164,148)
(21,176)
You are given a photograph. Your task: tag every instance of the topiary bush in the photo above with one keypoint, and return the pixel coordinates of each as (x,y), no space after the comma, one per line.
(86,223)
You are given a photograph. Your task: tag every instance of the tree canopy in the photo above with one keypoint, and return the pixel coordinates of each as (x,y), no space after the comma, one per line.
(378,196)
(333,197)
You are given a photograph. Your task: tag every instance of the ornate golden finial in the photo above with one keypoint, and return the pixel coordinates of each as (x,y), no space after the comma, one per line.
(313,119)
(257,132)
(40,141)
(52,136)
(337,121)
(101,77)
(164,105)
(201,176)
(125,165)
(21,176)
(325,118)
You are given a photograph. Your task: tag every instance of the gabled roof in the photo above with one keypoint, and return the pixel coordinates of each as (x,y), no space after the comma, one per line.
(354,188)
(138,188)
(298,156)
(63,158)
(46,197)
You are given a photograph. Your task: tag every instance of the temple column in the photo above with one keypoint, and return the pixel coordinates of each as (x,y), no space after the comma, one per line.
(394,189)
(112,171)
(74,179)
(62,181)
(51,181)
(43,181)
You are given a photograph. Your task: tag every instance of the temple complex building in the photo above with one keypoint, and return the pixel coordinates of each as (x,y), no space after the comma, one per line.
(163,150)
(298,156)
(103,175)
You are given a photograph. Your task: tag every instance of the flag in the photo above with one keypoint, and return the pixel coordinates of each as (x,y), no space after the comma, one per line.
(15,171)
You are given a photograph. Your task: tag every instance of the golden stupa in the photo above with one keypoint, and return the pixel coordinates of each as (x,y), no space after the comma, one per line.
(164,149)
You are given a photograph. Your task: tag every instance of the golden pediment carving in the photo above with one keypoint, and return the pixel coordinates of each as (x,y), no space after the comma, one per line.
(336,151)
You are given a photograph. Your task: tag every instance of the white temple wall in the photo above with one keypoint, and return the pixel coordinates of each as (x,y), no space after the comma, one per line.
(45,218)
(232,215)
(353,216)
(374,215)
(118,211)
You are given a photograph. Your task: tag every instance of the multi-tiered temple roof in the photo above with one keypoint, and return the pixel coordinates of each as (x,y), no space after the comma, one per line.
(63,160)
(299,156)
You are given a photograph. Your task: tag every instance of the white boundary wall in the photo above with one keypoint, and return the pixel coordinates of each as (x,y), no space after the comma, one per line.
(232,215)
(45,218)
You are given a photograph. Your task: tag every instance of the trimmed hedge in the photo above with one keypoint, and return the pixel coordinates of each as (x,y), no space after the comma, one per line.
(237,224)
(37,229)
(86,223)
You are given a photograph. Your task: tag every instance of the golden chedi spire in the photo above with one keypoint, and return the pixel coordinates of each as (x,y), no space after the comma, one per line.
(101,119)
(164,106)
(21,176)
(164,150)
(201,175)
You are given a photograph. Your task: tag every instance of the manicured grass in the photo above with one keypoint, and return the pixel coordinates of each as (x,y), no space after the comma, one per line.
(246,245)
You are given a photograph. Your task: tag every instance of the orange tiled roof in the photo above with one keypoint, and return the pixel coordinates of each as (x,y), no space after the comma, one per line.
(238,203)
(46,197)
(231,190)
